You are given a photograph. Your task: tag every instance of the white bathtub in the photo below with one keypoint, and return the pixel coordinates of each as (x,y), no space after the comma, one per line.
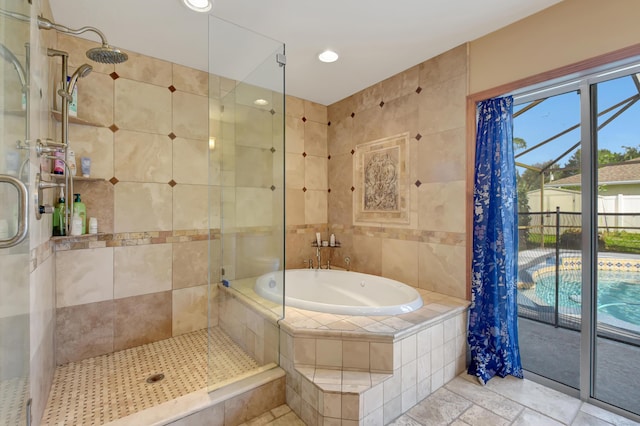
(339,292)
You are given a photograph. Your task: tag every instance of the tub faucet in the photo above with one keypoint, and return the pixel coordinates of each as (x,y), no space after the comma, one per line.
(318,260)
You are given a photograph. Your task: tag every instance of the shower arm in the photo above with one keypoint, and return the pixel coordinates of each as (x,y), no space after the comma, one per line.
(45,24)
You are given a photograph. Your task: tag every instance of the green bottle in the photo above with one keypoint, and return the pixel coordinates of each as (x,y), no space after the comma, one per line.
(59,228)
(81,209)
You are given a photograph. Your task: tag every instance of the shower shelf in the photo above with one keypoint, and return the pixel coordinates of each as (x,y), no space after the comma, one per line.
(78,178)
(57,115)
(75,237)
(315,244)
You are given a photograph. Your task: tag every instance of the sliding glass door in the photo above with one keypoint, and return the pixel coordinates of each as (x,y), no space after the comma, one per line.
(578,151)
(548,136)
(617,286)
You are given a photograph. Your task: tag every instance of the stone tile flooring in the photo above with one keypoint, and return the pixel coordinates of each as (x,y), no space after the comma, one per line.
(508,401)
(279,416)
(98,390)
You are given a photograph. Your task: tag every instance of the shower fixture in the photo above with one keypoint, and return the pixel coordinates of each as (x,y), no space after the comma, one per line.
(82,71)
(105,54)
(8,56)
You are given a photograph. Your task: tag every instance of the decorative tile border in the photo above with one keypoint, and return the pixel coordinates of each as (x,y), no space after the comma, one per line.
(575,264)
(122,239)
(423,236)
(605,264)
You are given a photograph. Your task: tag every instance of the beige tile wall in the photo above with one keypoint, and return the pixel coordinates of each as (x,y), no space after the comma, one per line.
(306,168)
(429,102)
(149,140)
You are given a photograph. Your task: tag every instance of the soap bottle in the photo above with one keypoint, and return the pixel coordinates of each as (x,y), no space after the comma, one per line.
(332,240)
(81,210)
(76,224)
(71,162)
(59,228)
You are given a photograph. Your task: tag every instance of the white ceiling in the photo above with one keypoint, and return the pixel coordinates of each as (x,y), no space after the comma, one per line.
(375,39)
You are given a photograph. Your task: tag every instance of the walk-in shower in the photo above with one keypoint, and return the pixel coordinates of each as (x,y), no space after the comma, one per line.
(148,287)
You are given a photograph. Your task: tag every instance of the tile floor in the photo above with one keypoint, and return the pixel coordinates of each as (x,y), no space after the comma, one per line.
(507,401)
(13,396)
(98,390)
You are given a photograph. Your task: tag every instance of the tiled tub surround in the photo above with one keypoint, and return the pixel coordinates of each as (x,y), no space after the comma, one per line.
(361,369)
(429,102)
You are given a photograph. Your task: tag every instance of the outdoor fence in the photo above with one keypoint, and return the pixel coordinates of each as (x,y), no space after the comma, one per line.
(550,268)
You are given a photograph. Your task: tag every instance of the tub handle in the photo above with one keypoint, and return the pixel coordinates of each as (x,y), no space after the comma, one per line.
(347,260)
(309,263)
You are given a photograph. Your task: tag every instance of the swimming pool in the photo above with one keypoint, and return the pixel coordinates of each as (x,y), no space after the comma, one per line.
(618,293)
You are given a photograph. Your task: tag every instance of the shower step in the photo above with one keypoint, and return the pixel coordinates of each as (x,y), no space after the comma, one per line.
(233,403)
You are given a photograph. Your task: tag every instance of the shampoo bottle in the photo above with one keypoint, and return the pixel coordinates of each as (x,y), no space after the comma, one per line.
(76,224)
(59,228)
(71,162)
(81,210)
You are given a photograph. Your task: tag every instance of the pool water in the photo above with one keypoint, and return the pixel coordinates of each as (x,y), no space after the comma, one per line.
(618,293)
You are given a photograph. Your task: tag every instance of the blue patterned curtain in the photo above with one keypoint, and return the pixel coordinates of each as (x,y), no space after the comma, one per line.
(493,327)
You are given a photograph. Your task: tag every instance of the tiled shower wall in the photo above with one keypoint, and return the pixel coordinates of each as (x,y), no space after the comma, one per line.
(145,125)
(144,278)
(428,101)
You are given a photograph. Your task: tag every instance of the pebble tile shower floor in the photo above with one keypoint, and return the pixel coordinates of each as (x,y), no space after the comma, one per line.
(98,390)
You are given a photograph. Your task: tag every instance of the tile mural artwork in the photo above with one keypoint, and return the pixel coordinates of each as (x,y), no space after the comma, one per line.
(381,173)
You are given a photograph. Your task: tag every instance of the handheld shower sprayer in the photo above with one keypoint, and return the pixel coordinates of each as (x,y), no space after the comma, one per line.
(82,71)
(105,54)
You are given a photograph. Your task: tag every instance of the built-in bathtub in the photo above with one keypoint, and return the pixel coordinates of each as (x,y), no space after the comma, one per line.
(338,292)
(334,368)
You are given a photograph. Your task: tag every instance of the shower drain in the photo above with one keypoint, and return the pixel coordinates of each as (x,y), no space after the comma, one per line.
(155,378)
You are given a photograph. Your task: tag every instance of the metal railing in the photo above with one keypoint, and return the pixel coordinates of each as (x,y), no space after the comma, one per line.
(550,264)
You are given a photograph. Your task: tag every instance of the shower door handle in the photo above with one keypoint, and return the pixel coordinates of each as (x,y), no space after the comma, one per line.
(23,212)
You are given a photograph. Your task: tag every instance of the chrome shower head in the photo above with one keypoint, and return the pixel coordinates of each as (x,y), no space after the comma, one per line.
(104,54)
(82,71)
(107,55)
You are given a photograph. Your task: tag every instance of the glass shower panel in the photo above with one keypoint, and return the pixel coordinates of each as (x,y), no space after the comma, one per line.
(247,192)
(618,278)
(14,171)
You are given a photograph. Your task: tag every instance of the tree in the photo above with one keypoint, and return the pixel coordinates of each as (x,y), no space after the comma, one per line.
(605,157)
(519,143)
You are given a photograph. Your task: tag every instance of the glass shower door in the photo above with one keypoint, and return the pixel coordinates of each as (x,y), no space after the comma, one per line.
(14,244)
(246,197)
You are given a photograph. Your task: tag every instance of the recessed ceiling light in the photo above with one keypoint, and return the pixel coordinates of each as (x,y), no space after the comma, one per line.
(198,5)
(328,56)
(261,102)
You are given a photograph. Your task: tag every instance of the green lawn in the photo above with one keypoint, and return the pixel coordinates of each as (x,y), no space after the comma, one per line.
(623,242)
